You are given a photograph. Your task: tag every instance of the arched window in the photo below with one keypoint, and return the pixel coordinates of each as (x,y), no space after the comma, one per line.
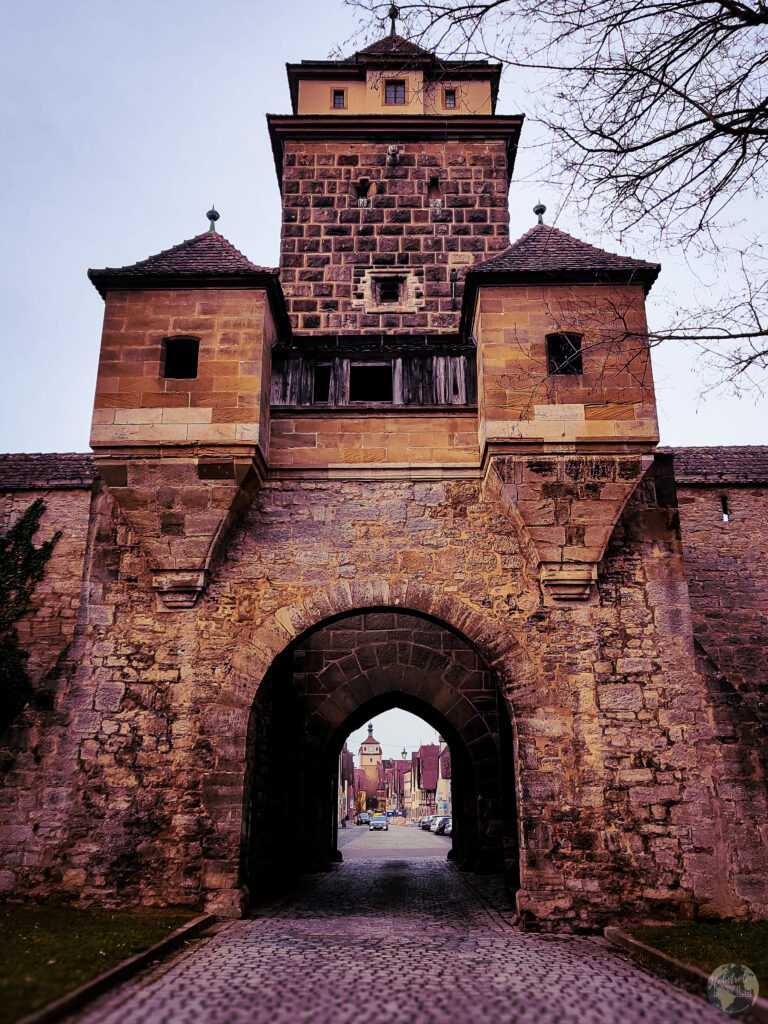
(564,353)
(180,358)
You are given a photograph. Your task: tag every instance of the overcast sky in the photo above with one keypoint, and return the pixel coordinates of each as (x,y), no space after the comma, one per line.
(394,730)
(123,122)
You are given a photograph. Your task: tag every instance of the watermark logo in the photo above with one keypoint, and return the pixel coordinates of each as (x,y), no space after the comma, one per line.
(732,988)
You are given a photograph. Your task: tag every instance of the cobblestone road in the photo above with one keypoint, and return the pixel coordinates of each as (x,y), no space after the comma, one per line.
(400,941)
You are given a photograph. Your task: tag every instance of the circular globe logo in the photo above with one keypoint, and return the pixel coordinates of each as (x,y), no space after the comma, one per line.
(732,988)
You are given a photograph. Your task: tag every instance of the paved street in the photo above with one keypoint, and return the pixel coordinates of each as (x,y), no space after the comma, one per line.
(402,940)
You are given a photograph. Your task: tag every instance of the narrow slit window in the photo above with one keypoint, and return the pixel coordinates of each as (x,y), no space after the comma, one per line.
(370,382)
(564,354)
(180,358)
(363,193)
(394,92)
(724,507)
(322,386)
(339,99)
(450,99)
(434,194)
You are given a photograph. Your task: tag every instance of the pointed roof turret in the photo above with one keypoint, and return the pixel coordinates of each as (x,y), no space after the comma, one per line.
(546,252)
(206,261)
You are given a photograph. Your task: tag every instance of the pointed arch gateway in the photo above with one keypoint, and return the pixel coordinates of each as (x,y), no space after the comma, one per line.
(329,682)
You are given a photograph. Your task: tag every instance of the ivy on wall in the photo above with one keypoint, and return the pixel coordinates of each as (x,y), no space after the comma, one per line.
(22,566)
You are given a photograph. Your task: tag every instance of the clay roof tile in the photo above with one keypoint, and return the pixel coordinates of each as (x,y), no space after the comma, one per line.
(545,251)
(204,256)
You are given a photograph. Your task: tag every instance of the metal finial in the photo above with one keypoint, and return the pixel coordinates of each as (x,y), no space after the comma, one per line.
(212,215)
(540,209)
(394,14)
(370,731)
(405,754)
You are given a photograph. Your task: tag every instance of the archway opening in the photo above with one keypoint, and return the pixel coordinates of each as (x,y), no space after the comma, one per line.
(333,680)
(396,788)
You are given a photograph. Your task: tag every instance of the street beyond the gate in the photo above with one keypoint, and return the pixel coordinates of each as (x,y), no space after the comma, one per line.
(396,935)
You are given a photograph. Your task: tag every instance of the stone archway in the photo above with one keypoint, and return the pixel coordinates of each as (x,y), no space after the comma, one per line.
(329,682)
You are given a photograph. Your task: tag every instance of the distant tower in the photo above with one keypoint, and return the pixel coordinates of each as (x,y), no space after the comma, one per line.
(370,763)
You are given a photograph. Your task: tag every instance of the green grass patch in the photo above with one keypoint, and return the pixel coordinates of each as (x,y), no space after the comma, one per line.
(46,951)
(707,944)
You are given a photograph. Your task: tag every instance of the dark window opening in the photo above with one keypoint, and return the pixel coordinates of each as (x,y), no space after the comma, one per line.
(180,356)
(370,382)
(362,192)
(564,353)
(322,387)
(724,506)
(434,194)
(388,290)
(450,98)
(394,92)
(339,99)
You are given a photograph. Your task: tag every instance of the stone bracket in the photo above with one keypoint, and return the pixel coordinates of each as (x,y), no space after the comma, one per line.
(177,588)
(181,506)
(566,506)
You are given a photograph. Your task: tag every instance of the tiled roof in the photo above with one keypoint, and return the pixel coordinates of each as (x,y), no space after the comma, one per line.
(547,251)
(445,763)
(720,465)
(393,46)
(47,472)
(204,256)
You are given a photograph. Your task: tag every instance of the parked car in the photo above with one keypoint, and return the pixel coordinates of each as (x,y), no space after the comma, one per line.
(437,821)
(427,821)
(363,818)
(379,822)
(442,825)
(448,828)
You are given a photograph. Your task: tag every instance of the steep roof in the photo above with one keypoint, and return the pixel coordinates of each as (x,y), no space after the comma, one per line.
(547,251)
(445,763)
(429,754)
(206,258)
(56,471)
(392,46)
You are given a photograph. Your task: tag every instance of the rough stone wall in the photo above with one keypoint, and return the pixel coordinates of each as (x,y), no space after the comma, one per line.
(136,793)
(328,243)
(49,626)
(727,570)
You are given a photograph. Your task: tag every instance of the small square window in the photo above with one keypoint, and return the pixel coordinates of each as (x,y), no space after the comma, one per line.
(388,290)
(180,357)
(564,353)
(370,382)
(449,99)
(394,92)
(339,99)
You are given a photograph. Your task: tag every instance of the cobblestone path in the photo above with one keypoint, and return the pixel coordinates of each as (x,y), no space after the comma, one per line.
(401,942)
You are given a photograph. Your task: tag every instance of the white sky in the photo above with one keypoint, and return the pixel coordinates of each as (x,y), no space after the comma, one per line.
(394,730)
(123,122)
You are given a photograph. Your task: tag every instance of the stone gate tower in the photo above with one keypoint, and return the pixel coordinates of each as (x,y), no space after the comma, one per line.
(414,466)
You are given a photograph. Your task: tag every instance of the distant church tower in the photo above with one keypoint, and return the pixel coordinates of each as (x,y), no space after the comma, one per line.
(370,763)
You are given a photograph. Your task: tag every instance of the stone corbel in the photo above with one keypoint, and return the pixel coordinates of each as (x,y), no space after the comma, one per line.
(178,588)
(181,509)
(566,506)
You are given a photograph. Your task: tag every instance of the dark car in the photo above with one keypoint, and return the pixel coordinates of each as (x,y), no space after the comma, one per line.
(427,822)
(363,818)
(442,824)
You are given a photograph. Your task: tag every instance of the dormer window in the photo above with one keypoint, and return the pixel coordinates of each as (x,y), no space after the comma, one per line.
(394,91)
(180,358)
(339,99)
(564,354)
